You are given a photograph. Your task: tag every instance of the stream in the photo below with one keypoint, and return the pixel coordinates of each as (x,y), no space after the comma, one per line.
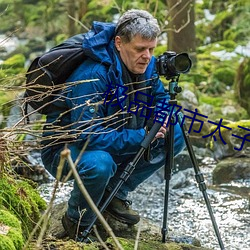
(187,212)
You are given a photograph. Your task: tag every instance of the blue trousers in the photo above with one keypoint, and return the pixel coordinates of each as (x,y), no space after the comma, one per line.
(100,170)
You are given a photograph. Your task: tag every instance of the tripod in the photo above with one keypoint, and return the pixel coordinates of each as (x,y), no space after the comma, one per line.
(126,173)
(173,90)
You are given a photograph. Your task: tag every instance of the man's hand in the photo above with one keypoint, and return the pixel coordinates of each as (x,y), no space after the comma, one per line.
(162,131)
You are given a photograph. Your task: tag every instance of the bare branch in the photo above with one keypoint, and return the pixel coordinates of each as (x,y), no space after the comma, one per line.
(66,154)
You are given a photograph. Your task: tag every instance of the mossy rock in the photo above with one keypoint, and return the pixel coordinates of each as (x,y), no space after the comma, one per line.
(21,199)
(11,237)
(219,104)
(225,75)
(128,244)
(233,144)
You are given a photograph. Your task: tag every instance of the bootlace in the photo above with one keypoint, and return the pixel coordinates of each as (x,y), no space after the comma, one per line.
(127,203)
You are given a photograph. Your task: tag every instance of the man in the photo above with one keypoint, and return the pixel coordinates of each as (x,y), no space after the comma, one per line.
(108,115)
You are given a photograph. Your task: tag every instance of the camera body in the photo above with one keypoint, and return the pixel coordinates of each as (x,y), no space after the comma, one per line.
(171,65)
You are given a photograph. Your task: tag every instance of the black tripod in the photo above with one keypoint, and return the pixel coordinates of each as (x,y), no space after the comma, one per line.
(173,90)
(126,173)
(169,163)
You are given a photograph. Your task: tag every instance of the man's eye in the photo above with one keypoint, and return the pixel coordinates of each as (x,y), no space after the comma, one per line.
(139,50)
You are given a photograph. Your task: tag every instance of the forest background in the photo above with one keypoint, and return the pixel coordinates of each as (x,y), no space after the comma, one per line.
(215,34)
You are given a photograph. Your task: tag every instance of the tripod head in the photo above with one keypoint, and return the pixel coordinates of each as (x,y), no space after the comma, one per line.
(174,89)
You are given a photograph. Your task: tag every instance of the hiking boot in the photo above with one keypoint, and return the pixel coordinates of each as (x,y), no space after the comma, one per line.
(75,231)
(121,211)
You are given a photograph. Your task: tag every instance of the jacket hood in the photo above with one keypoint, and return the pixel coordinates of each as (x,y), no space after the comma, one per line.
(98,42)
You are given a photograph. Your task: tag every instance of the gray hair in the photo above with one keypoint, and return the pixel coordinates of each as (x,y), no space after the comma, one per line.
(137,22)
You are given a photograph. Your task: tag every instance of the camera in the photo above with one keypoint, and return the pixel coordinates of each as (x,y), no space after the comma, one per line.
(171,65)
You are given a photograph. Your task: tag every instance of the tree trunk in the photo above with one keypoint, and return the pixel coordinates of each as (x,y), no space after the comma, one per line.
(71,6)
(83,7)
(181,27)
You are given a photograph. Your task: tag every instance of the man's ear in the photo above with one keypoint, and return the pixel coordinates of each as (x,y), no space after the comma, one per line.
(118,42)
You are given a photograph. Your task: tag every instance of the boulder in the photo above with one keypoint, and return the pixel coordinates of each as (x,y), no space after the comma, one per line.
(231,169)
(149,238)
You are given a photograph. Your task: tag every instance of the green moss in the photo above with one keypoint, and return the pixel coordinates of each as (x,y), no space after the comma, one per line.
(6,243)
(16,61)
(13,239)
(16,237)
(9,219)
(128,244)
(225,75)
(234,125)
(21,199)
(228,45)
(226,134)
(13,70)
(214,101)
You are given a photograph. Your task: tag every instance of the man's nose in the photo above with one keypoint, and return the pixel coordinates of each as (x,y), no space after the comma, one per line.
(146,54)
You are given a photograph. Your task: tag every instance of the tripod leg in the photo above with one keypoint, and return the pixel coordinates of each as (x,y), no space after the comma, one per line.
(202,186)
(168,173)
(126,173)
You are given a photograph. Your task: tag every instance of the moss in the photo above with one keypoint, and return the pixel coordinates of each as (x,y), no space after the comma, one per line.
(225,75)
(6,243)
(13,70)
(214,101)
(228,45)
(226,134)
(9,219)
(21,199)
(6,96)
(16,237)
(16,61)
(234,125)
(128,244)
(13,239)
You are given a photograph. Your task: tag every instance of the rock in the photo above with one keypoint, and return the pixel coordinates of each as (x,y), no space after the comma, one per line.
(149,237)
(233,136)
(231,169)
(181,179)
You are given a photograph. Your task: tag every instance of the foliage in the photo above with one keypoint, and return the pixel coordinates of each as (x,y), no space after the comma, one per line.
(227,21)
(22,200)
(12,239)
(224,75)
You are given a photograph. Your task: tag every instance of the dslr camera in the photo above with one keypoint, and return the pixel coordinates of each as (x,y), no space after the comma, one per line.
(171,65)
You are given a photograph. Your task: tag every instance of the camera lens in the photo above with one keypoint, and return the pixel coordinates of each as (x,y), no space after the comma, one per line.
(182,63)
(170,64)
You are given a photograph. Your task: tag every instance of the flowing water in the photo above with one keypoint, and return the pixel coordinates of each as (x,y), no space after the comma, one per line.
(187,212)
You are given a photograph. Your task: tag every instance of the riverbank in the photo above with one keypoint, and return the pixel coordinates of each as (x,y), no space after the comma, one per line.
(188,215)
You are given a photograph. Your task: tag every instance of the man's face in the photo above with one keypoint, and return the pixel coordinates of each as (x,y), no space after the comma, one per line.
(137,53)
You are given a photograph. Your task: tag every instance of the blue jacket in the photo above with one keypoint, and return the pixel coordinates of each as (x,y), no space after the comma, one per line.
(90,116)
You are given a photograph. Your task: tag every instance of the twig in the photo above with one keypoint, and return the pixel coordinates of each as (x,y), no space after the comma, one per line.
(77,21)
(66,154)
(99,238)
(137,236)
